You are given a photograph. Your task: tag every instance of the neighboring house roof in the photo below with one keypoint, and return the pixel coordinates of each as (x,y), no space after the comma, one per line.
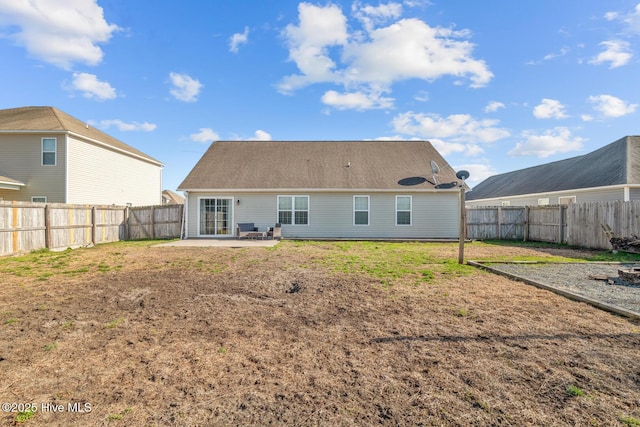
(172,198)
(318,165)
(10,184)
(615,164)
(42,119)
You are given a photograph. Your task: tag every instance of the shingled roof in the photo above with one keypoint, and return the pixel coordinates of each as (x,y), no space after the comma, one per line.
(51,119)
(318,165)
(614,164)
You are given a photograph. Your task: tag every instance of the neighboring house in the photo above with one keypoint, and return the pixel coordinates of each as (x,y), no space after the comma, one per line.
(171,198)
(323,189)
(47,155)
(607,174)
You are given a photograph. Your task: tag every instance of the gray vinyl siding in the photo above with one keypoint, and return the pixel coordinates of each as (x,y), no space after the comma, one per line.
(434,215)
(99,175)
(603,194)
(21,159)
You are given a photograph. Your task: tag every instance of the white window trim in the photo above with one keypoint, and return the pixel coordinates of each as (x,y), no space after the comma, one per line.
(293,209)
(543,201)
(55,151)
(368,211)
(38,197)
(410,212)
(232,224)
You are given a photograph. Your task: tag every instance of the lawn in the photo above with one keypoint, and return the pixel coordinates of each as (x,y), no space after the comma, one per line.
(306,333)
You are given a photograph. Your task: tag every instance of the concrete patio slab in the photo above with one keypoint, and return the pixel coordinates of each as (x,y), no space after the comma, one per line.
(221,243)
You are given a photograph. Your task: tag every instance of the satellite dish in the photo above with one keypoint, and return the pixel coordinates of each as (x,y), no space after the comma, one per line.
(434,167)
(434,171)
(462,175)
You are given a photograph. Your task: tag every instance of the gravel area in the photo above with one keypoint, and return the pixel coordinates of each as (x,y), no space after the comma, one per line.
(575,278)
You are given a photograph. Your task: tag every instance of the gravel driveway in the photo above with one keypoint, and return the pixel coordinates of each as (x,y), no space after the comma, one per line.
(574,279)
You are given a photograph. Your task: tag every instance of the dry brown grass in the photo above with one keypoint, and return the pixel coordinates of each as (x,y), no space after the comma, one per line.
(303,335)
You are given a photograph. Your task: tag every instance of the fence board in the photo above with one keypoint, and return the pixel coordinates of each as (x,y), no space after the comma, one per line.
(27,226)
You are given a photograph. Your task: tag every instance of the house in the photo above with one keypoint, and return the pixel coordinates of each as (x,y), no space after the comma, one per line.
(323,189)
(607,174)
(49,156)
(171,198)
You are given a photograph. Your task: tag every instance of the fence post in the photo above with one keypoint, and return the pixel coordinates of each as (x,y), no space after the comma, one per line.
(560,224)
(499,223)
(94,219)
(47,226)
(525,226)
(153,222)
(126,223)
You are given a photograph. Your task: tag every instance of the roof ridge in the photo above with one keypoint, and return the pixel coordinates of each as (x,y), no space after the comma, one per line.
(55,112)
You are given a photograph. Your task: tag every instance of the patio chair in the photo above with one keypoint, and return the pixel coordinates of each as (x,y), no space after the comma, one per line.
(245,229)
(275,232)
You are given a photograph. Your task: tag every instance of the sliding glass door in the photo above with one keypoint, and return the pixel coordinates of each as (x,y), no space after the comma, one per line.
(215,217)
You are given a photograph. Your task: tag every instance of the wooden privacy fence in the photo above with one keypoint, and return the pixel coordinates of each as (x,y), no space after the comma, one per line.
(537,223)
(26,226)
(577,224)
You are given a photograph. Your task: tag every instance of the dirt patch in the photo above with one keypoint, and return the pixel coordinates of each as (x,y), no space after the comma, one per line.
(211,336)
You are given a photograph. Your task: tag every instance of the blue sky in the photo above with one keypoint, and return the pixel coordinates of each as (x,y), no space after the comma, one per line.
(494,85)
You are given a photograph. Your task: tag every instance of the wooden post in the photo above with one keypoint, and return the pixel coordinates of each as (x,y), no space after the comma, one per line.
(153,222)
(499,223)
(126,224)
(560,224)
(526,223)
(47,226)
(463,226)
(94,228)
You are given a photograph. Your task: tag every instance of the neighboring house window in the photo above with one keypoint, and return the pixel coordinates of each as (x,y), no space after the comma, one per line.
(566,200)
(293,210)
(49,151)
(506,203)
(360,210)
(39,199)
(403,210)
(543,201)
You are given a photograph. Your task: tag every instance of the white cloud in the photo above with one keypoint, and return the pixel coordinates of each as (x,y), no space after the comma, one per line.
(372,15)
(261,135)
(554,141)
(493,106)
(355,100)
(205,135)
(611,106)
(616,52)
(237,39)
(60,32)
(630,20)
(455,133)
(549,109)
(371,61)
(127,127)
(185,88)
(91,87)
(478,172)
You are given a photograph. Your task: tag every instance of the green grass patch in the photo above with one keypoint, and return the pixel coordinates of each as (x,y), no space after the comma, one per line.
(10,321)
(51,346)
(114,323)
(574,390)
(630,421)
(24,416)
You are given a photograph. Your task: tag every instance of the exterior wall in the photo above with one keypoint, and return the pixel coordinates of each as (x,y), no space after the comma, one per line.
(21,159)
(604,194)
(434,215)
(99,175)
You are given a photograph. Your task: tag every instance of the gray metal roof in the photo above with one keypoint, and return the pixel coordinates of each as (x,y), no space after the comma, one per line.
(38,119)
(346,165)
(613,164)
